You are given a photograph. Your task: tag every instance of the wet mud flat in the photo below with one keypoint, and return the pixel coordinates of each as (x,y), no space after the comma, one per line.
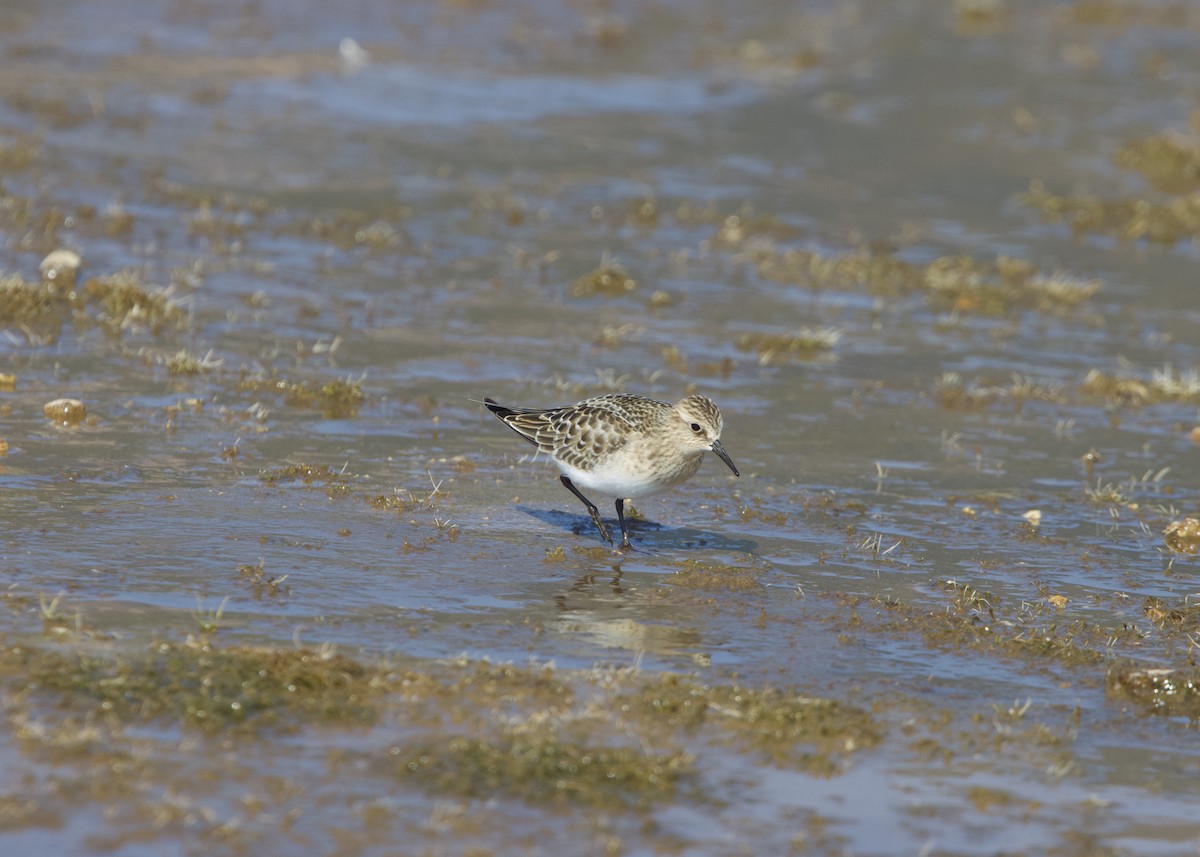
(275,581)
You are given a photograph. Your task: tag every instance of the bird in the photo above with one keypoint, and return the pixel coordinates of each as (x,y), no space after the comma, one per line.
(623,445)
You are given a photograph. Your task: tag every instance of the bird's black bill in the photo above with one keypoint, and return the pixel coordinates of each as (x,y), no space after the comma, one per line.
(724,456)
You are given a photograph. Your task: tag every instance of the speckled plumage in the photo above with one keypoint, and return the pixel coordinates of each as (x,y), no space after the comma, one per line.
(627,446)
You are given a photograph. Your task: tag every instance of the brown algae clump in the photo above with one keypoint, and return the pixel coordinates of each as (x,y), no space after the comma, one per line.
(260,582)
(401,503)
(1184,619)
(337,483)
(1183,536)
(335,399)
(307,474)
(609,280)
(1172,693)
(698,574)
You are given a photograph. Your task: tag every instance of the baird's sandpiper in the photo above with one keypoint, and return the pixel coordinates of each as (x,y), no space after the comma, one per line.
(625,446)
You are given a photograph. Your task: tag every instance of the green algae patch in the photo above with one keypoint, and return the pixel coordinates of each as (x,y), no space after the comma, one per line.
(119,304)
(1169,692)
(125,303)
(966,285)
(1130,219)
(975,620)
(987,800)
(377,230)
(338,398)
(480,689)
(184,362)
(789,729)
(538,766)
(1124,14)
(18,153)
(546,746)
(880,274)
(973,624)
(1168,162)
(468,729)
(1163,385)
(741,229)
(540,685)
(805,344)
(40,308)
(200,685)
(531,738)
(954,392)
(959,284)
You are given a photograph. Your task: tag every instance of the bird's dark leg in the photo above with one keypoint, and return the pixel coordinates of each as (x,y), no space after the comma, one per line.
(624,532)
(592,510)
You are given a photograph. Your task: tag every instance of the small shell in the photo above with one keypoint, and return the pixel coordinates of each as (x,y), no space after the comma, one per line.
(61,267)
(65,413)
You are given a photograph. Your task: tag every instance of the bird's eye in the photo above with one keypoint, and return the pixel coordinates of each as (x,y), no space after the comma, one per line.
(696,427)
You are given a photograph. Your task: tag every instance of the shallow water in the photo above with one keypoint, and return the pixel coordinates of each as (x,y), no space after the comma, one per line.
(423,227)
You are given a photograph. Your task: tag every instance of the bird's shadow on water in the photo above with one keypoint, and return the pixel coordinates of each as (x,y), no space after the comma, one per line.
(647,536)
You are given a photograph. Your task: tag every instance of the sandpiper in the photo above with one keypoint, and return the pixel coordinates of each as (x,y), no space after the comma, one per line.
(626,446)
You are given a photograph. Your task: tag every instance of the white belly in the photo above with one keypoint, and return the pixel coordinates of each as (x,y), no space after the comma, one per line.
(630,477)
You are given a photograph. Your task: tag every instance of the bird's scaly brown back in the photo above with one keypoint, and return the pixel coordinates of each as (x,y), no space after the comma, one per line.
(580,434)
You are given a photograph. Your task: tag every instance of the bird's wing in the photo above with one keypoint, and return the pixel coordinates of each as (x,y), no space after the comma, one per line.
(583,433)
(575,434)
